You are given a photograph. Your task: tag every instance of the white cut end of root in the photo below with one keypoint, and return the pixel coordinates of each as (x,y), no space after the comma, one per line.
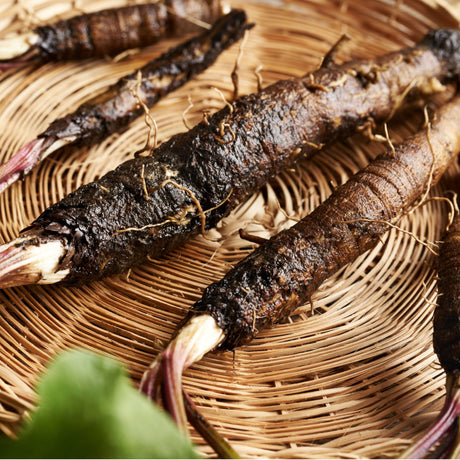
(31,263)
(57,144)
(17,45)
(199,336)
(226,8)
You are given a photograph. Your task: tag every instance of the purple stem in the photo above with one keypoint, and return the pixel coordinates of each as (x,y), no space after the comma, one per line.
(150,383)
(199,335)
(22,162)
(20,61)
(447,445)
(171,371)
(442,426)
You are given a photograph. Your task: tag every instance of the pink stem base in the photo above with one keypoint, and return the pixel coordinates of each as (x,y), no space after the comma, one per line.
(22,162)
(440,437)
(28,58)
(162,382)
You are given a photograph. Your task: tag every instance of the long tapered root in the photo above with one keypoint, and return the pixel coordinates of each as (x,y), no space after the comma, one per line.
(162,382)
(21,163)
(440,441)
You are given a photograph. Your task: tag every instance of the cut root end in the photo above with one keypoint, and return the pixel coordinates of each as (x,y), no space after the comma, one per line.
(18,50)
(442,438)
(162,383)
(28,261)
(27,157)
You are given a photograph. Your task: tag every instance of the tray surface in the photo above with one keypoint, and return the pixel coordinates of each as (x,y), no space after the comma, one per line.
(351,375)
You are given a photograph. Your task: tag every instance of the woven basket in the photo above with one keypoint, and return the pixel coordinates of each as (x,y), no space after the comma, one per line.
(351,375)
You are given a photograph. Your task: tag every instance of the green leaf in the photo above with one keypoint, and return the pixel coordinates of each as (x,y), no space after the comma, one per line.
(89,409)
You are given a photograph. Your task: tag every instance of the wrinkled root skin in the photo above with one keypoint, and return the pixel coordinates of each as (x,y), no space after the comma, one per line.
(224,159)
(446,320)
(114,109)
(283,273)
(111,31)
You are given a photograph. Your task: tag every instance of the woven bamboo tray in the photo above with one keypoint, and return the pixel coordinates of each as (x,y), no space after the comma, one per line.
(353,375)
